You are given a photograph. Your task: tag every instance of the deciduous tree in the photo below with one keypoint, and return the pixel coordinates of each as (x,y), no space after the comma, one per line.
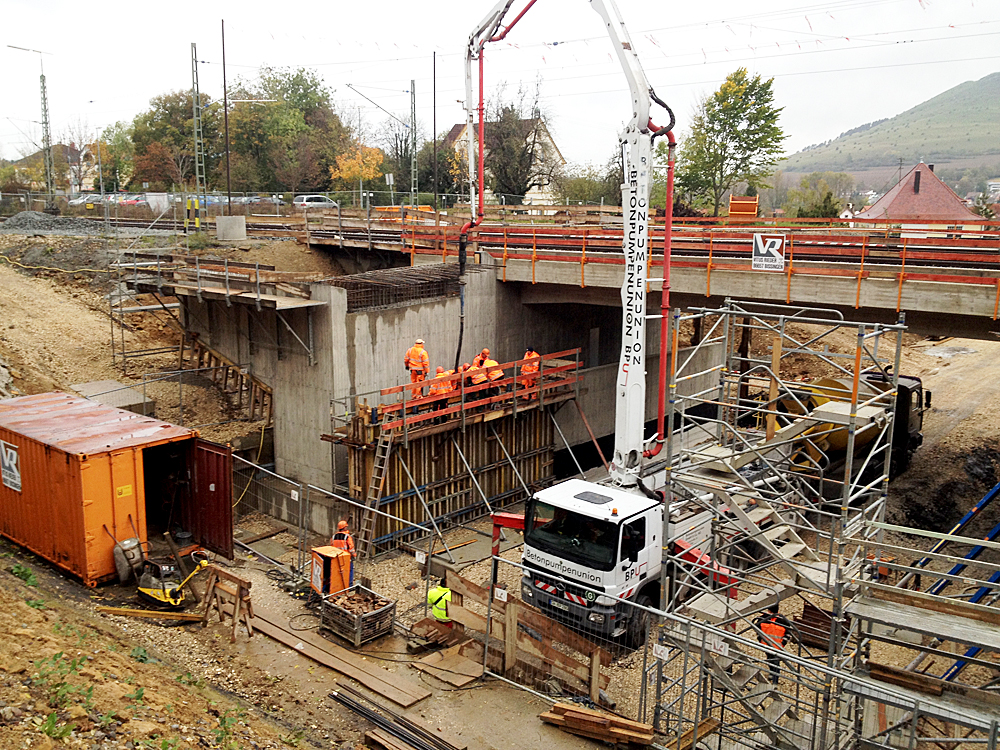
(819,195)
(169,121)
(518,152)
(356,165)
(734,138)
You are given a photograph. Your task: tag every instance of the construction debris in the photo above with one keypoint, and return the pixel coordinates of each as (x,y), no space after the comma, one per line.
(359,601)
(597,725)
(358,615)
(394,731)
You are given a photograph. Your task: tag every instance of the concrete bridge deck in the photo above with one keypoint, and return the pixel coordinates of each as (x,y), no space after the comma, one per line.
(946,279)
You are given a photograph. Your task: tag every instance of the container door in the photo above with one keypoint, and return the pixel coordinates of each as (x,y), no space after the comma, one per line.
(210,517)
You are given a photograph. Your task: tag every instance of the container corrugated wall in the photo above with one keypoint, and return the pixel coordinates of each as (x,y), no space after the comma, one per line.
(66,506)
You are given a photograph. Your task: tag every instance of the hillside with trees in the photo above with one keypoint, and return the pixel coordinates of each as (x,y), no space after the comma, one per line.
(959,125)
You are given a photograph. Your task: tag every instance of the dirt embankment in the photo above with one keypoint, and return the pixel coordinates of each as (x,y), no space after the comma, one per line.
(72,680)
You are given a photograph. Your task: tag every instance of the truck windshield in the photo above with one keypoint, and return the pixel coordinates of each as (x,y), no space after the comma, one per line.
(572,536)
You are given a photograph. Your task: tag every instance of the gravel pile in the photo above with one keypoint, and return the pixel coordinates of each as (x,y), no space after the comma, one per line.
(35,222)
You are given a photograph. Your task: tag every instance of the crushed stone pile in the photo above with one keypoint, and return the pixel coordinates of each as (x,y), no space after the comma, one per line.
(35,222)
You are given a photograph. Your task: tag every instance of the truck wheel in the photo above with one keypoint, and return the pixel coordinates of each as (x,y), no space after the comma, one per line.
(638,624)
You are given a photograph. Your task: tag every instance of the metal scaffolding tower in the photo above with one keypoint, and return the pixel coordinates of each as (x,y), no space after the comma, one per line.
(199,144)
(791,472)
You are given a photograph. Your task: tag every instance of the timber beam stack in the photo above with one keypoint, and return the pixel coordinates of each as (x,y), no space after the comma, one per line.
(597,725)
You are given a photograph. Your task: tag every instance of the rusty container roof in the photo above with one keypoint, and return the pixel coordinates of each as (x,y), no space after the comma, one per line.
(79,426)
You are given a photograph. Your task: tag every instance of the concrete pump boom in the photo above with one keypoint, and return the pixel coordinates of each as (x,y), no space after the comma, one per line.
(636,145)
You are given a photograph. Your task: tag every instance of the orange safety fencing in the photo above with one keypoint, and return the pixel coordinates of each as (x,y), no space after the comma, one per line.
(963,257)
(551,379)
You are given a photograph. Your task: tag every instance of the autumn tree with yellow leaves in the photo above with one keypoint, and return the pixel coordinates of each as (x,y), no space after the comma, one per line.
(358,163)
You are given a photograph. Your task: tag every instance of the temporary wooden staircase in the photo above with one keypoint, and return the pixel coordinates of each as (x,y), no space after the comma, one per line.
(243,390)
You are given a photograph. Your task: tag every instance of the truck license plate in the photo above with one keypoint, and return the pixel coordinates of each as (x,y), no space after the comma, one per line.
(559,605)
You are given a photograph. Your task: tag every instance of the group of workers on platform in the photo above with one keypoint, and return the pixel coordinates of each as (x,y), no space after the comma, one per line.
(482,370)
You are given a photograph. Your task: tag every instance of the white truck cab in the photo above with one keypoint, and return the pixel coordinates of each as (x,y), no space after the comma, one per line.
(606,538)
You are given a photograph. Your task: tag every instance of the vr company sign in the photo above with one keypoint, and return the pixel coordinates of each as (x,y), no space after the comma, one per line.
(768,252)
(10,470)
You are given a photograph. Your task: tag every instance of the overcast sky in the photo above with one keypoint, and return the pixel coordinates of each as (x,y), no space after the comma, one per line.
(835,64)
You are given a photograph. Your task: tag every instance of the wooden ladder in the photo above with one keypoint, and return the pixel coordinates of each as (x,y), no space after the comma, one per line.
(380,467)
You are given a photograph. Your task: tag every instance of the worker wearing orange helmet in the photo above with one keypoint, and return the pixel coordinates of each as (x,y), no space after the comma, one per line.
(343,539)
(530,369)
(478,360)
(418,362)
(440,386)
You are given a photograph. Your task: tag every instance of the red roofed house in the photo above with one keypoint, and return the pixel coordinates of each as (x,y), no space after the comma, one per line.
(922,201)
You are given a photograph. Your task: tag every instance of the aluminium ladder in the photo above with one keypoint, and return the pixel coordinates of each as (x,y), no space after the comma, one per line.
(380,467)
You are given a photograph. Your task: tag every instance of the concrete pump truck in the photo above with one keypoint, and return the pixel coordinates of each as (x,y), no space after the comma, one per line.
(592,550)
(610,536)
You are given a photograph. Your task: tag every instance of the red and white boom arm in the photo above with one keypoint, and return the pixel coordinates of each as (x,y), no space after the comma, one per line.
(636,144)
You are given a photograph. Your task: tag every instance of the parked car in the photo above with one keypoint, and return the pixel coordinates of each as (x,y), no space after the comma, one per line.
(85,198)
(313,201)
(263,200)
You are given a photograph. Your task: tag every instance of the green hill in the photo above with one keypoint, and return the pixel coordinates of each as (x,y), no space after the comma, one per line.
(961,124)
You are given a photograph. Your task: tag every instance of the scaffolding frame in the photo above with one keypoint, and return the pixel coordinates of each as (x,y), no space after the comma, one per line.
(784,479)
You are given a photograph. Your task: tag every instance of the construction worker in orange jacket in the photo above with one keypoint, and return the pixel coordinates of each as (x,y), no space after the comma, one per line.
(530,369)
(441,387)
(478,360)
(774,630)
(343,539)
(477,377)
(418,362)
(494,373)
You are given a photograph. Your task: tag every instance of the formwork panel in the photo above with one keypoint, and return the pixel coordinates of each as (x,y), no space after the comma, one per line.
(444,481)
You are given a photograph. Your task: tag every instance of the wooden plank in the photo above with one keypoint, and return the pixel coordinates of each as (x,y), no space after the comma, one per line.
(595,676)
(593,730)
(528,615)
(618,721)
(952,607)
(577,719)
(510,636)
(541,650)
(263,535)
(913,680)
(150,613)
(386,740)
(396,688)
(471,620)
(450,666)
(705,728)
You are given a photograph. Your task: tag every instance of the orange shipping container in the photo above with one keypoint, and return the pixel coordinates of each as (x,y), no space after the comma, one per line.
(75,475)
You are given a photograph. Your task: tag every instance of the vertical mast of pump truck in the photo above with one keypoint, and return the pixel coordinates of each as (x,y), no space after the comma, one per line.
(636,142)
